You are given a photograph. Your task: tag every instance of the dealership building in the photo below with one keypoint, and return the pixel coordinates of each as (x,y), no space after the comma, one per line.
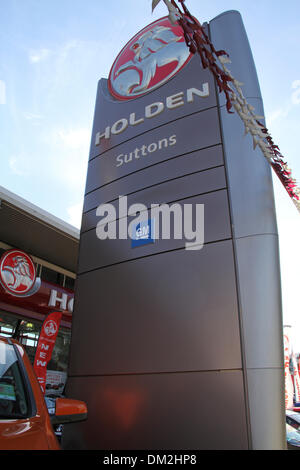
(52,245)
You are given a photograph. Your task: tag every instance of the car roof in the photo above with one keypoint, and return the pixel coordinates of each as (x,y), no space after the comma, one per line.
(294,415)
(6,340)
(3,339)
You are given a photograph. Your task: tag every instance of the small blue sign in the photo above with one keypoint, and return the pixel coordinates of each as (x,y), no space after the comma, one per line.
(143,233)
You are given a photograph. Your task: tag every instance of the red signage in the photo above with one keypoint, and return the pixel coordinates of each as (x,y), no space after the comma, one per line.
(150,59)
(18,274)
(23,293)
(45,346)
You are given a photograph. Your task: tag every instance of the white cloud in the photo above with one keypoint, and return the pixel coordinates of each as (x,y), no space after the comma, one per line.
(288,222)
(67,156)
(277,114)
(296,94)
(38,55)
(32,116)
(283,112)
(75,214)
(18,165)
(73,138)
(2,92)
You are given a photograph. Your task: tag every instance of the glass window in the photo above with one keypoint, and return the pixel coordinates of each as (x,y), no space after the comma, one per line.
(57,366)
(8,324)
(27,332)
(48,275)
(70,283)
(13,399)
(28,336)
(60,354)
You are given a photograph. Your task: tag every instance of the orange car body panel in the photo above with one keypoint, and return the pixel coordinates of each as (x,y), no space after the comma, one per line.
(34,433)
(70,407)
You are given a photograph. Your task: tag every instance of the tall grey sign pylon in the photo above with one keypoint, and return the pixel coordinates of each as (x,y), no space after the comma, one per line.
(177,349)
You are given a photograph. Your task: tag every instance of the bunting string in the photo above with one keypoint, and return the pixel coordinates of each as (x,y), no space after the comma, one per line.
(216,61)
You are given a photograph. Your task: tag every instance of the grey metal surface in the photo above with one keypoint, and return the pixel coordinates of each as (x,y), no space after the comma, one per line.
(137,317)
(95,253)
(171,189)
(260,297)
(256,246)
(199,410)
(249,176)
(228,33)
(103,169)
(164,171)
(155,174)
(266,392)
(156,195)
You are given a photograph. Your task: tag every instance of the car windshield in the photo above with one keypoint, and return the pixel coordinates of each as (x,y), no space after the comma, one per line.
(293,436)
(13,402)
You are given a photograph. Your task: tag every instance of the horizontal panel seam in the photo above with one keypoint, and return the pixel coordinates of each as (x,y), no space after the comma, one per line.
(155,164)
(257,235)
(122,374)
(147,256)
(168,202)
(266,368)
(152,129)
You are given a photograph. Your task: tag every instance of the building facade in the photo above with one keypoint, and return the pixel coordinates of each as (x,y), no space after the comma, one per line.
(52,245)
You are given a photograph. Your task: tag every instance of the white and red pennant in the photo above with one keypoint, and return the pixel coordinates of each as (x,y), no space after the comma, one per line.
(198,42)
(45,347)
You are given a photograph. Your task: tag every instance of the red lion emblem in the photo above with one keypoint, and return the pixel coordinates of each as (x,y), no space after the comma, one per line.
(18,273)
(151,58)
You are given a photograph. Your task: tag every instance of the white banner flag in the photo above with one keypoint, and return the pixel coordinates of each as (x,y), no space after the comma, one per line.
(289,386)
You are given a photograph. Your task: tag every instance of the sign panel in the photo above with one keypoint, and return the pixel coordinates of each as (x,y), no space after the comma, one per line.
(55,382)
(147,313)
(24,293)
(161,144)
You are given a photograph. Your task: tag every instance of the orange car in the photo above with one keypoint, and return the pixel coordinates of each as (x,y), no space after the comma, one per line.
(25,423)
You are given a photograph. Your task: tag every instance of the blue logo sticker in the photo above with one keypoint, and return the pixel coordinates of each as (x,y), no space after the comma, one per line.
(143,233)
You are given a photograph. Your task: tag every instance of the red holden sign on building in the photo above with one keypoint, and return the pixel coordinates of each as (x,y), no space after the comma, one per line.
(45,346)
(149,60)
(21,292)
(18,274)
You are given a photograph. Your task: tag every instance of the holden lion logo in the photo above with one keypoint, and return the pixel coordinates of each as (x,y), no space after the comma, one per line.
(18,274)
(50,328)
(151,58)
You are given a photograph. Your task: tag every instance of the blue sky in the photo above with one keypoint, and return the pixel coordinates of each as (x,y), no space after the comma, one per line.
(52,54)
